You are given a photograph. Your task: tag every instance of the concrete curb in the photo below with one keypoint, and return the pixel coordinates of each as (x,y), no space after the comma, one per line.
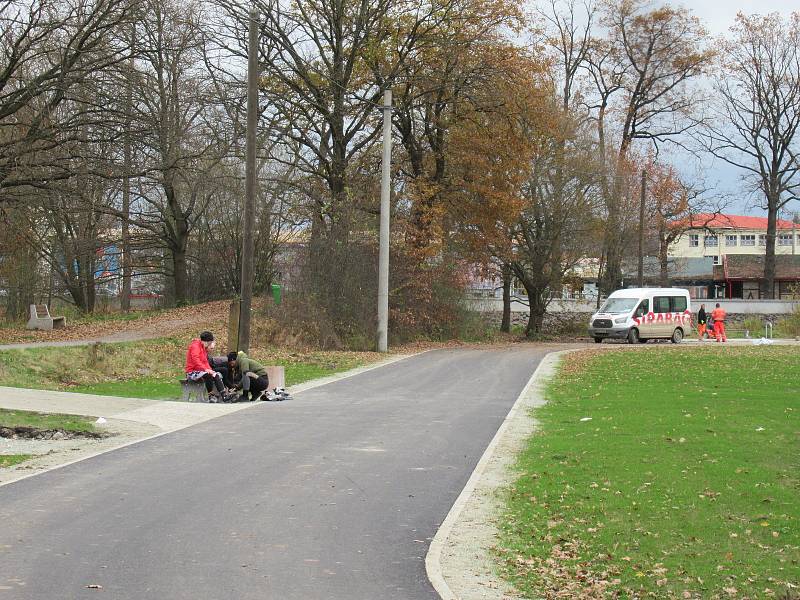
(294,389)
(492,472)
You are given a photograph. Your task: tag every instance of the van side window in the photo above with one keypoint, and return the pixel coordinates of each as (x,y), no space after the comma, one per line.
(678,303)
(642,309)
(661,304)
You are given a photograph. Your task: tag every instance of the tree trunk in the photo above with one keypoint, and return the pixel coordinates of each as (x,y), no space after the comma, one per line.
(22,285)
(537,302)
(125,297)
(663,259)
(613,243)
(178,235)
(180,275)
(768,283)
(125,294)
(505,324)
(87,284)
(535,318)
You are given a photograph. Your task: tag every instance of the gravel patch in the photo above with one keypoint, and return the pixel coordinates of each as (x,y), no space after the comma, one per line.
(51,453)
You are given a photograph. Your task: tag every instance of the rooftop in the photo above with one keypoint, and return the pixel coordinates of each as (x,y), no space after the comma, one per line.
(722,221)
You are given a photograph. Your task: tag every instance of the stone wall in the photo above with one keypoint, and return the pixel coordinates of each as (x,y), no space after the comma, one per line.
(553,322)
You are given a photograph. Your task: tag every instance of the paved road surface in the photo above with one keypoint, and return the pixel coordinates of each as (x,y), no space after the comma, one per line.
(334,495)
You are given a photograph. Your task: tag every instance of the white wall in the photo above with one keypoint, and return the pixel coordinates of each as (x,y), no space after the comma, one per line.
(680,248)
(757,307)
(496,305)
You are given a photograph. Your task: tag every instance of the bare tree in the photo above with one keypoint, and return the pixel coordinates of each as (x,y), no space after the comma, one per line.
(646,63)
(758,115)
(453,72)
(325,66)
(47,47)
(171,114)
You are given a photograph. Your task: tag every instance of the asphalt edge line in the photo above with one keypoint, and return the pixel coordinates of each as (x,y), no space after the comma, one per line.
(433,565)
(317,383)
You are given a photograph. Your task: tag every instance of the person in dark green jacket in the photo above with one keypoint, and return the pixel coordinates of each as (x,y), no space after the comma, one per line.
(252,375)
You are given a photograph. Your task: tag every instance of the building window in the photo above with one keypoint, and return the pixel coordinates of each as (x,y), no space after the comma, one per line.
(715,258)
(694,240)
(784,239)
(710,240)
(762,239)
(748,240)
(730,240)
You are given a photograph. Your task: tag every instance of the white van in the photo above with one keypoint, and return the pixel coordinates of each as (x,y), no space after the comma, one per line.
(641,314)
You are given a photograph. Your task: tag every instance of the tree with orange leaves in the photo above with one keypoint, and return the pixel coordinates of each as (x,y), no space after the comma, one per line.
(455,75)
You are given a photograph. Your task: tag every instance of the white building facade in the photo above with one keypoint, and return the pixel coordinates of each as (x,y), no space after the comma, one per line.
(720,235)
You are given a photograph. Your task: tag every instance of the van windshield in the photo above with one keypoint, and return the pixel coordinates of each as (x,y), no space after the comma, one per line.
(619,305)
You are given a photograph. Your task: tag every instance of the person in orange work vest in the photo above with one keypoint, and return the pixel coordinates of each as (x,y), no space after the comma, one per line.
(718,317)
(702,318)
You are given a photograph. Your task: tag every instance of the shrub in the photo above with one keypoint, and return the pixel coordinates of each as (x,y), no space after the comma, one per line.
(789,326)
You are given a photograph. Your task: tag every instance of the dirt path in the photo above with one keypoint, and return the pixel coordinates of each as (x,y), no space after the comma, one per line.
(212,315)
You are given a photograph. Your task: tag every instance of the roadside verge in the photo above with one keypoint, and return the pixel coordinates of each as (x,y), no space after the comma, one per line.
(459,562)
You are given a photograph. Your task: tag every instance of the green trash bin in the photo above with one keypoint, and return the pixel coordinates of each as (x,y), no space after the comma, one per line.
(276,293)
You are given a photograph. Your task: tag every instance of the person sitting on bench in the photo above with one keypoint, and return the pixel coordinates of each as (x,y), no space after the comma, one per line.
(220,365)
(197,367)
(253,376)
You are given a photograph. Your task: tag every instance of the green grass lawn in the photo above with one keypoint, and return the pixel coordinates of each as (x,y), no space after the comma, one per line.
(24,418)
(684,483)
(9,460)
(148,369)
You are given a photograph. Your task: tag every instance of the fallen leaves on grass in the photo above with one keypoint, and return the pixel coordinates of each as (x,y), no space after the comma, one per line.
(211,315)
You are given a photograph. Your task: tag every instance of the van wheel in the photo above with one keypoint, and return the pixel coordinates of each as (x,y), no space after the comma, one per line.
(633,336)
(598,340)
(677,336)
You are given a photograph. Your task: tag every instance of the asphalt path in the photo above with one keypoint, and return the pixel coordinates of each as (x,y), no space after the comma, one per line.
(333,495)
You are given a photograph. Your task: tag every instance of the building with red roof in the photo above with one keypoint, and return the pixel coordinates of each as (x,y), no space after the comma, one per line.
(717,235)
(737,246)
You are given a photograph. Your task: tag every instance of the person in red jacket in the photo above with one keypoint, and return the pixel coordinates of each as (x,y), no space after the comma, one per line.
(197,367)
(718,317)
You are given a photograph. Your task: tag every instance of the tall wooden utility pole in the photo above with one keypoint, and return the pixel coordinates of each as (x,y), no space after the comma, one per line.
(248,218)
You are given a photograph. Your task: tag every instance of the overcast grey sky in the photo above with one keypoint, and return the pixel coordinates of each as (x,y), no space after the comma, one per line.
(718,15)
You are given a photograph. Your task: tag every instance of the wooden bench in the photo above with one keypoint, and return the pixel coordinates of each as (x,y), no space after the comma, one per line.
(40,318)
(194,391)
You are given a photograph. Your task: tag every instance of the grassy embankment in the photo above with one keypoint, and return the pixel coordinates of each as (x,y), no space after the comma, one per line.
(24,418)
(9,460)
(665,473)
(148,369)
